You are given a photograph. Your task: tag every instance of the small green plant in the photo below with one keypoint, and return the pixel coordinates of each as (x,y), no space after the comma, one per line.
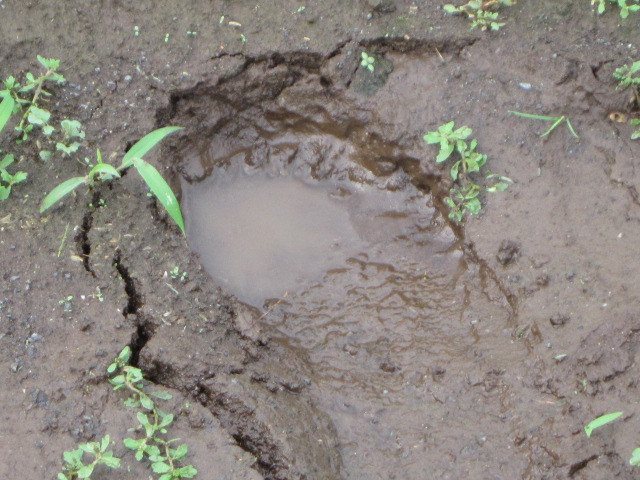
(624,8)
(367,61)
(628,76)
(479,12)
(463,196)
(32,112)
(177,275)
(600,421)
(556,121)
(134,157)
(152,421)
(74,466)
(7,180)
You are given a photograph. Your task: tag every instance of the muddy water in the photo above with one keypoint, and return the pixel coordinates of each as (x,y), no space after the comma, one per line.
(371,287)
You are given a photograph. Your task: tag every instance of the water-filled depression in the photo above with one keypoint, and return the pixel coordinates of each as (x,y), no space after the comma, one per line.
(295,209)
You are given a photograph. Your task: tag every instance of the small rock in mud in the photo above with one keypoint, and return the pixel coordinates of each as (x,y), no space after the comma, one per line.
(508,253)
(559,320)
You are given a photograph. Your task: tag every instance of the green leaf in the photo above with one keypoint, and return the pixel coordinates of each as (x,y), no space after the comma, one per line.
(6,109)
(73,458)
(110,461)
(446,149)
(105,443)
(162,395)
(68,149)
(19,177)
(146,402)
(142,418)
(118,380)
(451,9)
(161,189)
(104,171)
(48,130)
(86,471)
(125,354)
(49,63)
(432,137)
(6,161)
(473,206)
(600,421)
(62,476)
(447,128)
(4,193)
(61,191)
(131,443)
(45,155)
(72,128)
(187,471)
(454,170)
(635,457)
(160,467)
(38,116)
(180,452)
(146,143)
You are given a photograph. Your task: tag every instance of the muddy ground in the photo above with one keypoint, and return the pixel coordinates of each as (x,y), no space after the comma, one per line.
(524,330)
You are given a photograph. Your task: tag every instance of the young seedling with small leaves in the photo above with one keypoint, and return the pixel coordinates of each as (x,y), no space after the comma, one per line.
(556,121)
(367,61)
(160,452)
(463,196)
(103,172)
(626,6)
(74,466)
(7,180)
(480,12)
(628,76)
(33,115)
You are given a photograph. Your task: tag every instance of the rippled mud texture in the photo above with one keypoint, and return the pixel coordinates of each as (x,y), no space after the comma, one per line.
(437,352)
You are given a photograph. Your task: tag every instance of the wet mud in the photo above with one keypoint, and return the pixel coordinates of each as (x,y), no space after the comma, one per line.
(381,340)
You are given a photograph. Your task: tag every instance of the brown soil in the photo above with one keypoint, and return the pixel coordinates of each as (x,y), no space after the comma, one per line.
(543,337)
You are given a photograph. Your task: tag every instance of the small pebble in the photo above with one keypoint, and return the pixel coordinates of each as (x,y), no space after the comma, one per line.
(525,86)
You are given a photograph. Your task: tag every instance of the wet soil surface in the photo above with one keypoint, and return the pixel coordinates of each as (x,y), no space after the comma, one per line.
(402,345)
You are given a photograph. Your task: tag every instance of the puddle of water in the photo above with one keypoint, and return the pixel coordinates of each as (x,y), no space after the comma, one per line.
(262,237)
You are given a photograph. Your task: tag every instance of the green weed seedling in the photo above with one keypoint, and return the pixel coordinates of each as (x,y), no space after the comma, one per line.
(367,61)
(152,421)
(628,76)
(463,196)
(33,115)
(479,12)
(556,121)
(7,180)
(134,157)
(74,466)
(600,421)
(626,6)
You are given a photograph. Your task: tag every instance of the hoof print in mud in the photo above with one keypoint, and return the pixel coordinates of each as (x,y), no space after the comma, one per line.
(508,253)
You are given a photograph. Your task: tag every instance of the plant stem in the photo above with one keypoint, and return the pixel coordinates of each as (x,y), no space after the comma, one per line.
(36,95)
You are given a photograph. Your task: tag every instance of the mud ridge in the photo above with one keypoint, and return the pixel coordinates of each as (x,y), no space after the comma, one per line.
(237,419)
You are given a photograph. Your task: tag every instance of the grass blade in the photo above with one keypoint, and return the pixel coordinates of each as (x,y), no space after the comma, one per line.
(600,421)
(573,132)
(555,124)
(145,144)
(531,115)
(6,109)
(161,189)
(61,191)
